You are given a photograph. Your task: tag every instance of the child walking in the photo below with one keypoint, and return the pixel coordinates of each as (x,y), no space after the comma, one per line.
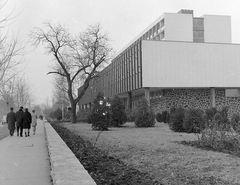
(34,121)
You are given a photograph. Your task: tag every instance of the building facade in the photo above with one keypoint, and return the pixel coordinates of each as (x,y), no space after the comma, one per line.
(179,60)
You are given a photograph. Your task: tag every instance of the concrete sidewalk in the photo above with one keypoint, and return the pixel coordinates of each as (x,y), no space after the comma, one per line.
(25,160)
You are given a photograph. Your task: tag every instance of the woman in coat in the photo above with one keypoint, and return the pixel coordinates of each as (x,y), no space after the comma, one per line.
(27,120)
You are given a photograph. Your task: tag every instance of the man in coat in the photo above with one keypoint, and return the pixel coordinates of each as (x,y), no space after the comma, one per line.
(19,121)
(27,120)
(11,119)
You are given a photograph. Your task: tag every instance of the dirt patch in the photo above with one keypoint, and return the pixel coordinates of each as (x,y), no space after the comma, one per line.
(155,151)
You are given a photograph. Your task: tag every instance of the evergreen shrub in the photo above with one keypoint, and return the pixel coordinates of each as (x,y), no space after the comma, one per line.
(209,114)
(144,116)
(130,113)
(176,119)
(235,121)
(119,116)
(159,117)
(90,118)
(101,115)
(164,116)
(168,117)
(221,118)
(193,121)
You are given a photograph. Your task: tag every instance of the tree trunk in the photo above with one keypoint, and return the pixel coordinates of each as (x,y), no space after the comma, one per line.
(73,112)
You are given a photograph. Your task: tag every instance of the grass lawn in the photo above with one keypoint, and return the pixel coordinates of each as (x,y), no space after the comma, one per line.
(156,152)
(4,132)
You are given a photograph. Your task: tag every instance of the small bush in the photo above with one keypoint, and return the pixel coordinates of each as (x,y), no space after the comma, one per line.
(101,115)
(90,118)
(176,119)
(209,114)
(144,114)
(217,138)
(119,116)
(218,118)
(168,117)
(159,117)
(193,121)
(235,121)
(130,113)
(164,116)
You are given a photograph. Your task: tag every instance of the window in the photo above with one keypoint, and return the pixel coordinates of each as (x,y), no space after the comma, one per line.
(198,36)
(162,23)
(198,24)
(158,27)
(162,35)
(154,30)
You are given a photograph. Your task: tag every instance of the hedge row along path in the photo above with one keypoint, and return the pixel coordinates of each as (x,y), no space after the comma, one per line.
(156,153)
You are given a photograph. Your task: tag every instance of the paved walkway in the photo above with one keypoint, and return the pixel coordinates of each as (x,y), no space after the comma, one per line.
(25,160)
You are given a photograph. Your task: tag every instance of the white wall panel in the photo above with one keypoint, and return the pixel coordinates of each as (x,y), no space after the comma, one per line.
(187,64)
(217,29)
(178,27)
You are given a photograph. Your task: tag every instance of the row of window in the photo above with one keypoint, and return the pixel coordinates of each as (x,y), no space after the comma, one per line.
(155,33)
(124,73)
(157,94)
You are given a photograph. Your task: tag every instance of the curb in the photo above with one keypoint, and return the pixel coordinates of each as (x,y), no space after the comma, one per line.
(65,167)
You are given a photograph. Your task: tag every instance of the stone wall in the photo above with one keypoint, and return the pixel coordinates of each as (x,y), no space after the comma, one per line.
(194,98)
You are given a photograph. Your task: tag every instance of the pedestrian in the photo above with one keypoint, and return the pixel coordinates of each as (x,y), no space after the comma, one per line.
(34,121)
(27,120)
(19,121)
(11,120)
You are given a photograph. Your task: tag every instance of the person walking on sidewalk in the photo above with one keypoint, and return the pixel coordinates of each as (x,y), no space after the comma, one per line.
(11,120)
(34,121)
(19,121)
(27,120)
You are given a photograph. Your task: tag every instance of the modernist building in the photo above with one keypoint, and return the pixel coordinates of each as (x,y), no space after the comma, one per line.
(179,60)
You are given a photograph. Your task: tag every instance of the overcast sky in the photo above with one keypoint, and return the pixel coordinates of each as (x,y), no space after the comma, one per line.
(123,20)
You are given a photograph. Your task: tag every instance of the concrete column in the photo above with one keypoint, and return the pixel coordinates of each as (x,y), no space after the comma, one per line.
(212,97)
(129,100)
(147,94)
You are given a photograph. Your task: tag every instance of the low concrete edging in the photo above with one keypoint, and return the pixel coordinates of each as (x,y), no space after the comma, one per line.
(65,167)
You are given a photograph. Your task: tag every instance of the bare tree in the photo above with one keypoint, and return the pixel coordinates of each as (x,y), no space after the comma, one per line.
(23,95)
(75,58)
(11,50)
(16,92)
(60,94)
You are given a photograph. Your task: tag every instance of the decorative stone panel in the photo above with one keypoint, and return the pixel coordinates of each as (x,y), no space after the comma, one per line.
(194,98)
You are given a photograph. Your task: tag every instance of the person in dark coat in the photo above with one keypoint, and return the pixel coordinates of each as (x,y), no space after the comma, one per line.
(19,121)
(11,120)
(27,120)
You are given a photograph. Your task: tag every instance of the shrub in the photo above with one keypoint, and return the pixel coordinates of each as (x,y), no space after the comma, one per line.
(130,113)
(235,121)
(159,117)
(164,116)
(144,114)
(90,118)
(100,113)
(193,121)
(218,118)
(56,114)
(217,138)
(176,119)
(168,117)
(119,116)
(209,114)
(224,113)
